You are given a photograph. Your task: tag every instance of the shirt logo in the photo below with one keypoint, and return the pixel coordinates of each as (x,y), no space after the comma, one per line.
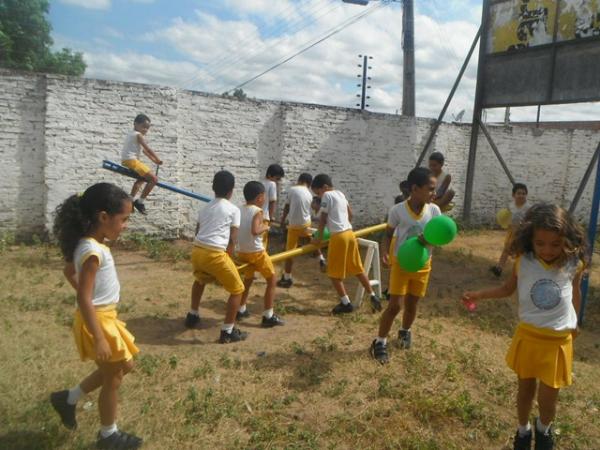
(545,294)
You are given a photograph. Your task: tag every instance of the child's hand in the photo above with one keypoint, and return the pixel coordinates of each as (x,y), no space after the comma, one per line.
(576,332)
(159,162)
(385,259)
(103,352)
(470,296)
(315,241)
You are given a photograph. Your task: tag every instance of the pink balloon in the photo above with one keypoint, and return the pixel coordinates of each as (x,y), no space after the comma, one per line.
(471,306)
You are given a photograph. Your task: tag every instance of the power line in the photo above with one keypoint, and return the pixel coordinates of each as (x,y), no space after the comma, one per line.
(353,20)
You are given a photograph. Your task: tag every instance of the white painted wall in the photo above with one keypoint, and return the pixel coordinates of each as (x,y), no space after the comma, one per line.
(55,131)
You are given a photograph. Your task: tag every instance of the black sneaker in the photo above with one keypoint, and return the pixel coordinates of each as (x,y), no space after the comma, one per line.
(322,265)
(191,320)
(543,441)
(140,207)
(272,322)
(386,294)
(242,315)
(522,442)
(405,339)
(64,409)
(119,440)
(375,302)
(497,271)
(283,283)
(340,308)
(378,352)
(235,336)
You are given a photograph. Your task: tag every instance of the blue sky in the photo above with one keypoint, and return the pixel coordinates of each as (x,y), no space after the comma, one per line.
(213,45)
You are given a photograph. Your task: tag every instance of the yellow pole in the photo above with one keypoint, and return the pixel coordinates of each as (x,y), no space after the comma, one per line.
(309,248)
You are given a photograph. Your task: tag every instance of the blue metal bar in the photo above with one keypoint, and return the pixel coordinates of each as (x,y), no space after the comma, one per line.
(114,167)
(592,229)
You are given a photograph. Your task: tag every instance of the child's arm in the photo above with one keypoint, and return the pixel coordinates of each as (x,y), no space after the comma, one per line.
(385,245)
(71,274)
(286,211)
(87,278)
(148,151)
(258,227)
(322,222)
(444,187)
(349,213)
(498,292)
(272,206)
(577,291)
(233,236)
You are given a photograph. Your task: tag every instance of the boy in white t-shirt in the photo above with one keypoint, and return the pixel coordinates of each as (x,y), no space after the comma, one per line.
(344,257)
(443,193)
(297,211)
(130,158)
(252,252)
(274,175)
(216,234)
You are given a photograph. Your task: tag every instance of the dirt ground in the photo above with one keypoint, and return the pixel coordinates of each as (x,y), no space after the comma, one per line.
(307,385)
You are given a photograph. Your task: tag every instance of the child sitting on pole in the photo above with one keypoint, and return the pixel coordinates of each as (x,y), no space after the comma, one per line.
(251,251)
(274,175)
(443,193)
(130,158)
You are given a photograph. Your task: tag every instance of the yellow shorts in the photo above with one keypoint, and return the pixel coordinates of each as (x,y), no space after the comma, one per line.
(344,257)
(137,166)
(119,339)
(259,262)
(294,235)
(210,265)
(265,236)
(543,354)
(413,283)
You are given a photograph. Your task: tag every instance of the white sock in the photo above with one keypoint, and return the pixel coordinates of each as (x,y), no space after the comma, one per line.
(243,309)
(74,395)
(194,312)
(524,430)
(136,197)
(268,313)
(380,340)
(321,257)
(227,327)
(345,300)
(402,329)
(107,431)
(287,276)
(141,200)
(541,427)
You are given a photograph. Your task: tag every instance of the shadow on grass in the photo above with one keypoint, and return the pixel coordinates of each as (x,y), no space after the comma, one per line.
(151,330)
(31,440)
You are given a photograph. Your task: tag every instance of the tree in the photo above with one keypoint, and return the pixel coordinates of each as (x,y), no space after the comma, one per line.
(25,41)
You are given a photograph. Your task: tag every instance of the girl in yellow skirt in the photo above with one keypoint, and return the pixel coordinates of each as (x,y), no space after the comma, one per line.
(550,251)
(81,225)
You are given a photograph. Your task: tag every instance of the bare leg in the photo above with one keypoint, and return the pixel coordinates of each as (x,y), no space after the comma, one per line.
(92,382)
(288,265)
(136,187)
(410,310)
(339,286)
(364,280)
(247,285)
(112,376)
(197,291)
(547,398)
(525,396)
(503,258)
(388,316)
(233,305)
(151,181)
(270,292)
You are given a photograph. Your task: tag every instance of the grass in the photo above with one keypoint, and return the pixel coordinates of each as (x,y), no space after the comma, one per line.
(308,385)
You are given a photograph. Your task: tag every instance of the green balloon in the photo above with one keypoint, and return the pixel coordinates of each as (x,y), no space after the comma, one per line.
(440,230)
(412,255)
(326,234)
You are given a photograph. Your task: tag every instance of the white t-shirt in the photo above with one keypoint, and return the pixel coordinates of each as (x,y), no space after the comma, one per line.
(216,220)
(270,196)
(299,198)
(335,205)
(407,223)
(247,242)
(106,286)
(546,293)
(132,149)
(518,214)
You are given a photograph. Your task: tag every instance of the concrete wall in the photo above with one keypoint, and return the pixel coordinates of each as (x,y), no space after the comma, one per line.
(55,132)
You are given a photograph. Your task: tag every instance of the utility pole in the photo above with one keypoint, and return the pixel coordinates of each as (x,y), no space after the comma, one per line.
(408,46)
(363,96)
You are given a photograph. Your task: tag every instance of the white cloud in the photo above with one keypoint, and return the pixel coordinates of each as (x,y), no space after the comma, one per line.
(89,4)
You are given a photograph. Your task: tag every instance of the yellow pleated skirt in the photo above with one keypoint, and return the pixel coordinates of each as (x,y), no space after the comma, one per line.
(120,341)
(543,354)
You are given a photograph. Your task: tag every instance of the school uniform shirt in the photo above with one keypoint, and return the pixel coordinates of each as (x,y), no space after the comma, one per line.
(270,196)
(518,213)
(335,205)
(406,223)
(546,293)
(216,220)
(299,199)
(132,149)
(247,242)
(106,285)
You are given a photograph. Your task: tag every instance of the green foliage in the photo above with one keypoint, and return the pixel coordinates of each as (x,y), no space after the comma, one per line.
(25,42)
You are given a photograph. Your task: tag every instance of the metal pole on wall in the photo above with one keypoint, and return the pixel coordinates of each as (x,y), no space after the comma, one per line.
(584,180)
(477,110)
(408,45)
(592,229)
